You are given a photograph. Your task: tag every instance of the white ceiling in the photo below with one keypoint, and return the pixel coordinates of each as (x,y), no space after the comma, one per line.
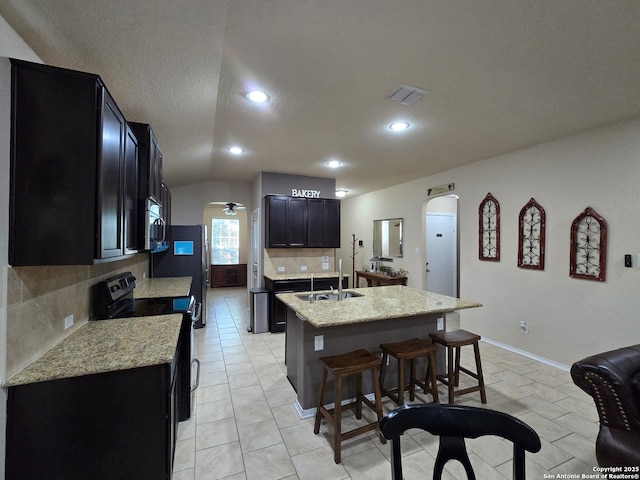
(503,75)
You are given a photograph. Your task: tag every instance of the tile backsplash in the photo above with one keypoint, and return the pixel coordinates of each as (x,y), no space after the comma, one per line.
(40,298)
(294,259)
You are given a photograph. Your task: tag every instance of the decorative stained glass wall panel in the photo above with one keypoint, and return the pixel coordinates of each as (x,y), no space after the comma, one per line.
(489,229)
(531,236)
(588,246)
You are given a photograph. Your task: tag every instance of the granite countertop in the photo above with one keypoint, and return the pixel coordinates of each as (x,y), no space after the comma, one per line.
(376,303)
(303,275)
(163,287)
(106,346)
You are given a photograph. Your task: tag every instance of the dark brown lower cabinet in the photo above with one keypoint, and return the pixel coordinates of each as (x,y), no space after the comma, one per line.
(278,310)
(229,275)
(115,425)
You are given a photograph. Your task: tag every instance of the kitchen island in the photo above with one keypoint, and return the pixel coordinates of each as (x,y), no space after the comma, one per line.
(377,315)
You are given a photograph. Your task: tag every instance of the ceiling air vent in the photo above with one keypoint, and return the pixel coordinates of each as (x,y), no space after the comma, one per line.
(407,95)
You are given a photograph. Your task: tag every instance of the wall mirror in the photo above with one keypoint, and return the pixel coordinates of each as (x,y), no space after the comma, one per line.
(387,238)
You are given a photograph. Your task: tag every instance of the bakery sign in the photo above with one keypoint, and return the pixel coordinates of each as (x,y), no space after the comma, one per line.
(305,193)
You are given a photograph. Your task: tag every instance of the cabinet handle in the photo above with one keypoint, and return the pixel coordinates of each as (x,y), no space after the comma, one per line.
(197,362)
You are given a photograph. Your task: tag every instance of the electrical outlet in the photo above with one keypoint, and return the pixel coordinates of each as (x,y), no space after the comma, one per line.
(627,260)
(524,328)
(318,342)
(440,324)
(68,321)
(303,268)
(280,269)
(325,265)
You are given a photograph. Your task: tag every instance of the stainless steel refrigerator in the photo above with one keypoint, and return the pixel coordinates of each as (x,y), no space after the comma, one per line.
(187,255)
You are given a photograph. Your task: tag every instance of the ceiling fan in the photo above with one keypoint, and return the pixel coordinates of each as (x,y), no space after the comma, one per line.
(230,209)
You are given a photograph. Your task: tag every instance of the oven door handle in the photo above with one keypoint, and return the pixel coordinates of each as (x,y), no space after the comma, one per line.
(198,312)
(197,362)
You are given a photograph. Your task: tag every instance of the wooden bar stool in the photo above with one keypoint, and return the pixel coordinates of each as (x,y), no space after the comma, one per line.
(409,350)
(456,340)
(352,363)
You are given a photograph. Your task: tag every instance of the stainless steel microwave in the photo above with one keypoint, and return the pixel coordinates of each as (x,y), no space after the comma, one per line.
(154,226)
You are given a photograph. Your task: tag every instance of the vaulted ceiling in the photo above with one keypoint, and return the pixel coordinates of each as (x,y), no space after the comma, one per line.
(502,75)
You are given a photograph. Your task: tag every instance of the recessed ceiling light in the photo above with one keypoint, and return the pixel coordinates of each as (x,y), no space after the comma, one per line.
(236,150)
(399,126)
(341,193)
(334,163)
(257,96)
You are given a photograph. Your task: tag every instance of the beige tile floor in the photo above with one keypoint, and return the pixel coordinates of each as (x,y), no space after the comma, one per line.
(245,426)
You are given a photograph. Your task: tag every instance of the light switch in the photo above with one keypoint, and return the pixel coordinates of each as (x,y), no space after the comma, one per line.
(440,324)
(318,342)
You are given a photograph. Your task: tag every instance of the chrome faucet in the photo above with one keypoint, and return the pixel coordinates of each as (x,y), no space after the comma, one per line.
(340,279)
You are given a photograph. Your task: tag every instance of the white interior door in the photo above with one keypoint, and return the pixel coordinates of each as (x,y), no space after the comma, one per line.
(441,251)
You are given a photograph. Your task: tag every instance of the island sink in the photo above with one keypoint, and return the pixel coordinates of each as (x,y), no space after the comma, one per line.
(327,296)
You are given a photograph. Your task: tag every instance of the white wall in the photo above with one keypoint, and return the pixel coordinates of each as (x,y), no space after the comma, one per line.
(188,202)
(568,318)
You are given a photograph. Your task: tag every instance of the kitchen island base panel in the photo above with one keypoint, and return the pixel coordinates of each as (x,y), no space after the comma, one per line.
(304,370)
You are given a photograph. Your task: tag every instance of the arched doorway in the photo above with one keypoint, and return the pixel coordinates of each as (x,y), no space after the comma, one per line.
(441,274)
(227,225)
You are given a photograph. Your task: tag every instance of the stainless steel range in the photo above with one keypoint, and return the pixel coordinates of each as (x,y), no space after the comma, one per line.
(115,299)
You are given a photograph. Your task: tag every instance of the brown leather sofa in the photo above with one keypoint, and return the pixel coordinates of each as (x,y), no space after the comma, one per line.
(613,380)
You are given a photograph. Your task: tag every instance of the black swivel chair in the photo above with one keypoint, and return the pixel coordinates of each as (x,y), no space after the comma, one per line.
(454,423)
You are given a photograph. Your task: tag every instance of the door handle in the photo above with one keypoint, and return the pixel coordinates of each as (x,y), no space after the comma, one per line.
(197,382)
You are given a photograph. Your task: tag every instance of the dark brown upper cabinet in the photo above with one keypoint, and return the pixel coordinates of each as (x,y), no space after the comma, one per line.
(72,169)
(323,223)
(293,222)
(297,222)
(150,162)
(277,221)
(132,216)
